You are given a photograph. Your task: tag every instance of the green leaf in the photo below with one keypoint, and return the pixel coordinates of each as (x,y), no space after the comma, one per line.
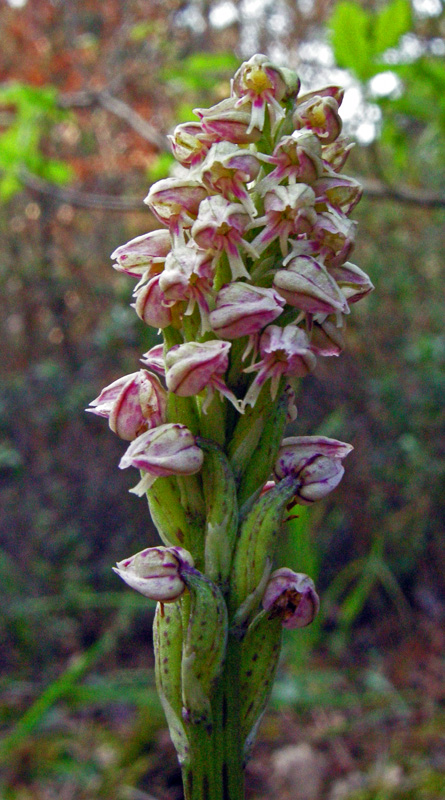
(350,27)
(390,24)
(20,94)
(211,62)
(9,186)
(56,171)
(160,168)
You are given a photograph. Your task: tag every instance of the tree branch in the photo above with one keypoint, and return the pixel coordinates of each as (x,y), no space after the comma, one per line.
(372,188)
(375,189)
(81,199)
(120,109)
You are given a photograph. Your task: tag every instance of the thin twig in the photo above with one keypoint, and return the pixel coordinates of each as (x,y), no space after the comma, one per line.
(81,199)
(374,189)
(417,197)
(120,109)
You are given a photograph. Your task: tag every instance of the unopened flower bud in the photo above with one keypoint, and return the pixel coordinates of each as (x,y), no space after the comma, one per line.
(154,359)
(291,596)
(166,450)
(144,255)
(244,309)
(307,285)
(194,366)
(327,337)
(190,143)
(156,572)
(335,154)
(336,191)
(151,305)
(228,123)
(320,114)
(337,92)
(175,202)
(353,282)
(315,461)
(132,404)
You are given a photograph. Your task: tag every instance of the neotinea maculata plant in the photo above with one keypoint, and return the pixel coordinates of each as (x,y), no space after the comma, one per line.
(249,283)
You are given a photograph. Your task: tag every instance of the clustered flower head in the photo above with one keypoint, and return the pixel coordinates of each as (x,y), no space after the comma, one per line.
(249,281)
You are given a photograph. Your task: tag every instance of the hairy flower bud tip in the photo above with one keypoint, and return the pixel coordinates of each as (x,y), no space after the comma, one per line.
(156,572)
(169,449)
(292,597)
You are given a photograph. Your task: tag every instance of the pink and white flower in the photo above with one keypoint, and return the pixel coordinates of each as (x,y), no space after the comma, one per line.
(291,596)
(190,143)
(243,309)
(297,158)
(289,211)
(143,256)
(169,449)
(316,461)
(227,169)
(188,276)
(175,202)
(156,572)
(262,85)
(193,367)
(228,123)
(132,404)
(219,228)
(283,351)
(320,114)
(152,307)
(306,284)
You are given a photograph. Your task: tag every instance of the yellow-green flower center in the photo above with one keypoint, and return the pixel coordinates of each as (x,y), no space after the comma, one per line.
(257,80)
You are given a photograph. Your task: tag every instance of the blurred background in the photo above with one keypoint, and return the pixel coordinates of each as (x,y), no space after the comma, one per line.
(87,93)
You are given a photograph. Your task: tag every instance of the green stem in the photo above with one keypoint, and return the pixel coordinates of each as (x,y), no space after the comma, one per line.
(199,773)
(232,768)
(215,769)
